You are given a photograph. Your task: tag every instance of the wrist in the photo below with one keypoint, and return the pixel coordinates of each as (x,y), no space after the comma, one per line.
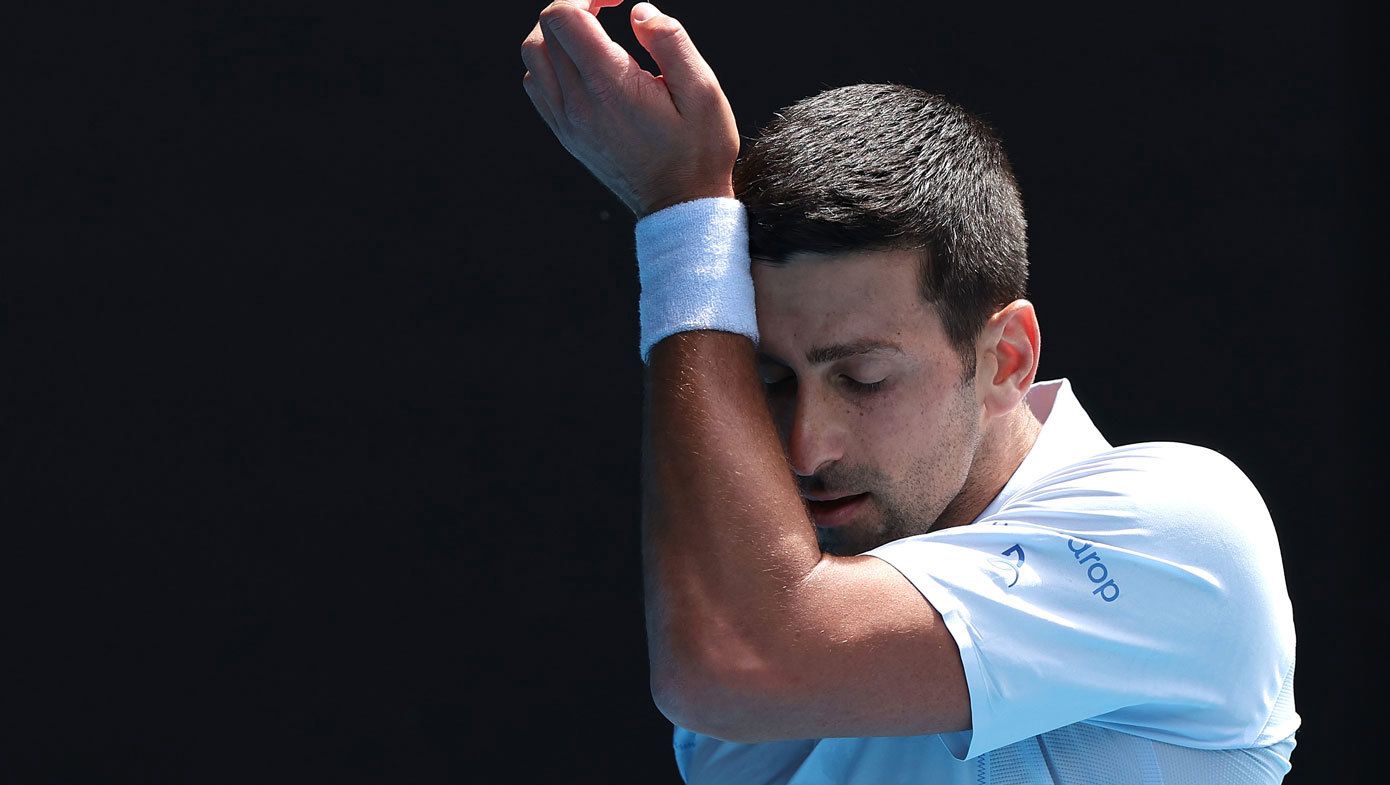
(693,266)
(715,192)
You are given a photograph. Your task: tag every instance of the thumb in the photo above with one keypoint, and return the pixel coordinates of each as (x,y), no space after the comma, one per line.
(686,74)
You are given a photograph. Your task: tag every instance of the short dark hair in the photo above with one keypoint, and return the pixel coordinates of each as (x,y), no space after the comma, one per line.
(888,167)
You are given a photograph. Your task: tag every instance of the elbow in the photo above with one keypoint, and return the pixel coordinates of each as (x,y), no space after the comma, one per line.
(676,699)
(733,701)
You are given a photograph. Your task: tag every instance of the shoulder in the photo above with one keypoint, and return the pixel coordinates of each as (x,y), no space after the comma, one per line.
(1155,565)
(1147,464)
(1190,544)
(1168,489)
(1172,513)
(1170,510)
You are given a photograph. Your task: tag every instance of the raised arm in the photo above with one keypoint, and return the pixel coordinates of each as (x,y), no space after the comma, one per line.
(753,633)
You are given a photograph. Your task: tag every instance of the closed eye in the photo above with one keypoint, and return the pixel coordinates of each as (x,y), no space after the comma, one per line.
(863,387)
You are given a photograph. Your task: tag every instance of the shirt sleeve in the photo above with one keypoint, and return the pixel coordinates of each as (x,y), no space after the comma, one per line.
(1140,590)
(705,760)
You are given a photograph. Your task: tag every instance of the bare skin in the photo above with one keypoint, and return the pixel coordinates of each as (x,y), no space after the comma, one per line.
(652,140)
(898,424)
(755,632)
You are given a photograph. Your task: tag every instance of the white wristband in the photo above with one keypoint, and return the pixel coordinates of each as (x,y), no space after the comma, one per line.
(692,263)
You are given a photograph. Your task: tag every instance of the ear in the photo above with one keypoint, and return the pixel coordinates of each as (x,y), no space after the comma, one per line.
(1006,357)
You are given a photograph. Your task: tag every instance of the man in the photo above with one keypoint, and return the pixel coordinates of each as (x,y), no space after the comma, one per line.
(876,551)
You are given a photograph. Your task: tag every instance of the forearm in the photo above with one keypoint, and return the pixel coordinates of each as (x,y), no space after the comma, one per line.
(726,540)
(725,536)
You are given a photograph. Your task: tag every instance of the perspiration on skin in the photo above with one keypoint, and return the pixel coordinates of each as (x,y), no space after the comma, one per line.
(751,626)
(753,621)
(912,442)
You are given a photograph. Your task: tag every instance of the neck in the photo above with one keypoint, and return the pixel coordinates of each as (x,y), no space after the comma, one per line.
(1004,446)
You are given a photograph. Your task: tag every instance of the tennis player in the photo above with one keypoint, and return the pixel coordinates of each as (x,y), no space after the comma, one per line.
(877,549)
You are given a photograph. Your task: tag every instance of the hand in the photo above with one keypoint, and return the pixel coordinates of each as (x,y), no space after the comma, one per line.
(652,140)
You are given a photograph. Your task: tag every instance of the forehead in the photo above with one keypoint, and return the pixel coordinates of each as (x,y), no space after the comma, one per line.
(821,299)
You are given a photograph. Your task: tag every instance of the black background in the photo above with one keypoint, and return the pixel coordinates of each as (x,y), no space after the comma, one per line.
(320,389)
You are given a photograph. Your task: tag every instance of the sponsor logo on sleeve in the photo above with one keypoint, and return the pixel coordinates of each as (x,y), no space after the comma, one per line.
(1096,572)
(1009,570)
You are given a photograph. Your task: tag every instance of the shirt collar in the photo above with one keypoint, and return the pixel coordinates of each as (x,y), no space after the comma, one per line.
(1067,436)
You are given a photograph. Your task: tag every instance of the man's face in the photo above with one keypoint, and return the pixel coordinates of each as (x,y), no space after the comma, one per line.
(905,444)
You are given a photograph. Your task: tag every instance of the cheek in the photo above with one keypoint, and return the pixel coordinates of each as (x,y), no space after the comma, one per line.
(891,431)
(911,431)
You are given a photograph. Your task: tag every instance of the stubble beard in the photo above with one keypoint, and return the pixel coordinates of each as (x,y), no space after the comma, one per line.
(934,486)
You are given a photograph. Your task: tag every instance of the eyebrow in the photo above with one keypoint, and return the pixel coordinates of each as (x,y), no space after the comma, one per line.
(821,355)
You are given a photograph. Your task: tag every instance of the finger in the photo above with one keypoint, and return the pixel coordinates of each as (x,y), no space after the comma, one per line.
(592,6)
(597,59)
(571,85)
(688,77)
(540,81)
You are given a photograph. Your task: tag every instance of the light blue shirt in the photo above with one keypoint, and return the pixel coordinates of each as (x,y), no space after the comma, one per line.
(1122,617)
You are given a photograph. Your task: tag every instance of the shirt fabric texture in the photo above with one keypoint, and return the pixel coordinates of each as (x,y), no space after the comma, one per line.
(1122,617)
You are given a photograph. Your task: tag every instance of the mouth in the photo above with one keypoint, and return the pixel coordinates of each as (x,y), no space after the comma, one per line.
(830,513)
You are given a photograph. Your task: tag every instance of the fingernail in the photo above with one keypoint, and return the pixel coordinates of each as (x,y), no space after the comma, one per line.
(644,11)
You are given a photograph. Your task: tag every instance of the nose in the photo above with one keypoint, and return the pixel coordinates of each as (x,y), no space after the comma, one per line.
(813,434)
